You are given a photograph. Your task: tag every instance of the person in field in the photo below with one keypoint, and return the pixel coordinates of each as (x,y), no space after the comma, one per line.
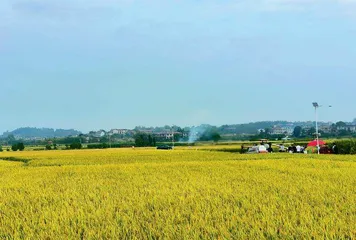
(266,145)
(302,149)
(298,149)
(335,149)
(242,150)
(262,148)
(290,149)
(282,148)
(294,148)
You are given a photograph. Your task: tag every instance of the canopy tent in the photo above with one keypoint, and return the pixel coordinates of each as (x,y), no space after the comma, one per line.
(314,143)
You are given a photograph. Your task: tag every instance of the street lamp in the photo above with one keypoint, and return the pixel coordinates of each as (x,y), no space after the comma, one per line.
(316,106)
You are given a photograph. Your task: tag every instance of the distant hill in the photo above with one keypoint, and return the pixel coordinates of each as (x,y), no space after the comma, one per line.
(30,132)
(251,128)
(245,128)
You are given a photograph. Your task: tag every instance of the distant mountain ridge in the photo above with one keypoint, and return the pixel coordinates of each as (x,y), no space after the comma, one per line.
(243,128)
(32,132)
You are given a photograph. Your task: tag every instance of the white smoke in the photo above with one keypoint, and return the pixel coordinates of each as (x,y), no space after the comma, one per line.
(196,132)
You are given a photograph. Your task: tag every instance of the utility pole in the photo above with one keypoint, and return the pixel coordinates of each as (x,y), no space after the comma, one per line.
(172,137)
(316,106)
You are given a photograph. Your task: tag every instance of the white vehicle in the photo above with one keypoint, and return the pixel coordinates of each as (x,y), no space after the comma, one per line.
(257,149)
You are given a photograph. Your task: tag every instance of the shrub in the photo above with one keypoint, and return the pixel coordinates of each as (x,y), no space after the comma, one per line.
(1,149)
(20,146)
(76,146)
(38,149)
(105,145)
(346,146)
(48,147)
(14,147)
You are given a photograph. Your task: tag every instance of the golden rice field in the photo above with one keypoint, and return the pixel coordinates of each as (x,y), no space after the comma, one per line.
(180,194)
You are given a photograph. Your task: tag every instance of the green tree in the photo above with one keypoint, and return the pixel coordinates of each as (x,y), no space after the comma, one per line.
(311,131)
(297,132)
(14,147)
(20,146)
(177,137)
(210,135)
(179,129)
(344,132)
(333,128)
(76,145)
(1,149)
(48,147)
(340,124)
(268,131)
(140,139)
(215,137)
(104,139)
(10,139)
(150,140)
(342,129)
(144,140)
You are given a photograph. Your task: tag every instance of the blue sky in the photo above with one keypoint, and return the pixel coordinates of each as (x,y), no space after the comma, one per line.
(106,64)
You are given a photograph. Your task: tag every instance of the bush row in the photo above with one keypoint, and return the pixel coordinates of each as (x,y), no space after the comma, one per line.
(177,144)
(105,145)
(346,146)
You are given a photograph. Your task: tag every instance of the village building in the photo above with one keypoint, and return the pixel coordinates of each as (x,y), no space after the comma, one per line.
(350,128)
(279,130)
(119,131)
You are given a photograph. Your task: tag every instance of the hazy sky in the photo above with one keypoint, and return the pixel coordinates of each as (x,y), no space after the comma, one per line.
(91,64)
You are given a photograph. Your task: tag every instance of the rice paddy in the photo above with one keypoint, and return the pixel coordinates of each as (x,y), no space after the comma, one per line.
(180,194)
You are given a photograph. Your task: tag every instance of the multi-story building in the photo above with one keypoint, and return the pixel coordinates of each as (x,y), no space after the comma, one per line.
(279,130)
(119,131)
(169,135)
(325,128)
(350,128)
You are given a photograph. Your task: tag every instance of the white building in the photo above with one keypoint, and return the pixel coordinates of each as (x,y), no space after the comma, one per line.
(278,130)
(350,128)
(118,131)
(261,130)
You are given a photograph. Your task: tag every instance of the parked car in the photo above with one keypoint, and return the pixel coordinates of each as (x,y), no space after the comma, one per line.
(164,147)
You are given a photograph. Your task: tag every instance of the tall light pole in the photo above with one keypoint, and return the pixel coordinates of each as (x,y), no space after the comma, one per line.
(173,137)
(316,106)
